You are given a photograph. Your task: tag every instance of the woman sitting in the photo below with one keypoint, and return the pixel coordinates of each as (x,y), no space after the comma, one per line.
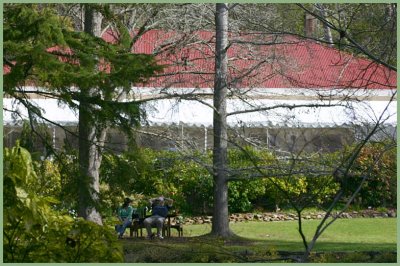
(124,216)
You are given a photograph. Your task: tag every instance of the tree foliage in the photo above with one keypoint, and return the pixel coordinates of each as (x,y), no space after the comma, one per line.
(34,231)
(144,173)
(39,49)
(380,188)
(78,69)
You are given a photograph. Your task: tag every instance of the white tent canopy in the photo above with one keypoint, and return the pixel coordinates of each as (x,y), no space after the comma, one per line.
(170,111)
(330,115)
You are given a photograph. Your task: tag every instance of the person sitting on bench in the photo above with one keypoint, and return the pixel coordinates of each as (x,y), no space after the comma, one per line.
(159,211)
(124,216)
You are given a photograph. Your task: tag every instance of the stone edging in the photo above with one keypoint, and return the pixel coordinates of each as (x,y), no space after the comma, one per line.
(279,216)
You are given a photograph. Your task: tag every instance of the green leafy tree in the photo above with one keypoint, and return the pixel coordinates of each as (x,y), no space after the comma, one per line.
(145,172)
(380,188)
(34,232)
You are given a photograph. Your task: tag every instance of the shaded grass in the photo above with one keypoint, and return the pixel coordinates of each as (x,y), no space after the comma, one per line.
(354,239)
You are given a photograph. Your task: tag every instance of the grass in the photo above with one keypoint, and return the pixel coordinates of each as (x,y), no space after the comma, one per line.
(357,234)
(258,240)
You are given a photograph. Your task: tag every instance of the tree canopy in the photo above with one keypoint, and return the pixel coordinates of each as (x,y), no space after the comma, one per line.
(41,49)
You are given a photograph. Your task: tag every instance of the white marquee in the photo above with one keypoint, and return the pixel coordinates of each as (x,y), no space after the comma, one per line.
(169,111)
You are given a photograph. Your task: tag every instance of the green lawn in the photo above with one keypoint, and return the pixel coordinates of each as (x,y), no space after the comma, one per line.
(343,235)
(347,240)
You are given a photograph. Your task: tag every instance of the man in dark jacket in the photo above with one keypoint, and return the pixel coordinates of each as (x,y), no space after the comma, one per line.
(159,211)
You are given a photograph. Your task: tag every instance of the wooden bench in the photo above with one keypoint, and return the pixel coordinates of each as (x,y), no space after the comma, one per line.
(178,227)
(135,227)
(138,226)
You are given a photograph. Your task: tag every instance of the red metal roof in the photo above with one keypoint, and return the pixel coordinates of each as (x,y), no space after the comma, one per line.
(289,63)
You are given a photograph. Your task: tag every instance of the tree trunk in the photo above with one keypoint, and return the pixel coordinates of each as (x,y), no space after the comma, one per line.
(327,31)
(90,142)
(220,222)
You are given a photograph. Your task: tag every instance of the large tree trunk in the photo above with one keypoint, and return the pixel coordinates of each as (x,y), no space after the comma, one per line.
(90,142)
(220,222)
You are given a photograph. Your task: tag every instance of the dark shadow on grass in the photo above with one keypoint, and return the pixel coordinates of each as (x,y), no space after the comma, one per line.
(207,248)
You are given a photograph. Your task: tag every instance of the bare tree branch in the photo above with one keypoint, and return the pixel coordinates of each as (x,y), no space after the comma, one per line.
(343,33)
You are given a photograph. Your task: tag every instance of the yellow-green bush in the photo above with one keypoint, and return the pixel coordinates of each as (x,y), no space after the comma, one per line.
(34,232)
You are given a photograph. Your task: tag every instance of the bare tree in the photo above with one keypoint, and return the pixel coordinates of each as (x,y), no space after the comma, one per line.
(327,31)
(220,223)
(343,23)
(250,48)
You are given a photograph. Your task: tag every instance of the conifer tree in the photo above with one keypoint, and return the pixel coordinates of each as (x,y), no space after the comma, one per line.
(80,70)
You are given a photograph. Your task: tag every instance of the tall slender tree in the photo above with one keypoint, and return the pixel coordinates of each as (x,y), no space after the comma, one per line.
(220,223)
